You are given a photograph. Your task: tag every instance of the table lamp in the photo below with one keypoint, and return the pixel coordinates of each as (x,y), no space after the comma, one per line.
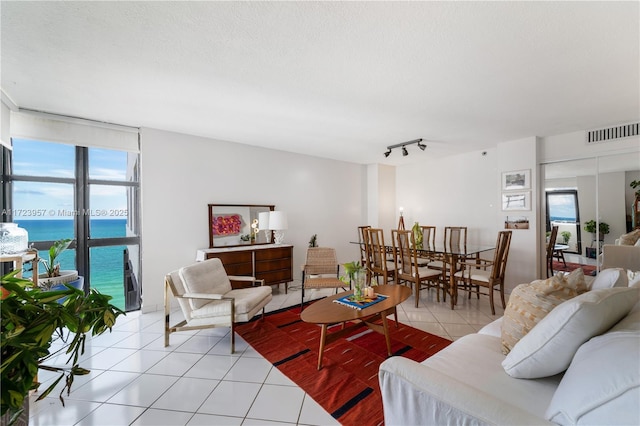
(278,223)
(263,221)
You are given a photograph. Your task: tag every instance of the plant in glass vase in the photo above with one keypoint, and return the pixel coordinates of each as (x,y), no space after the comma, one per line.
(355,273)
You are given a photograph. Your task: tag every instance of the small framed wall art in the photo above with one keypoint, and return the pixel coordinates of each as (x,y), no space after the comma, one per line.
(520,200)
(516,180)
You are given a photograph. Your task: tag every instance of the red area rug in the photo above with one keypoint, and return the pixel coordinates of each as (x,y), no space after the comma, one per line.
(587,269)
(347,385)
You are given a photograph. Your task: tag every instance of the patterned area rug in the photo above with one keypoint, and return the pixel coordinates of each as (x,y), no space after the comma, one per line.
(587,269)
(347,385)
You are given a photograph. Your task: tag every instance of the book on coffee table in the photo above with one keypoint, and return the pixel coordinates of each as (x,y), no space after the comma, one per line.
(349,300)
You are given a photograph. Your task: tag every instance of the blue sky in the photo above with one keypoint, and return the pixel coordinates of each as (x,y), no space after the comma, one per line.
(36,200)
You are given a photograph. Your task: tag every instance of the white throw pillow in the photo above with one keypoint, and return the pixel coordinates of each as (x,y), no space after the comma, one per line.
(609,278)
(633,278)
(602,384)
(207,276)
(549,347)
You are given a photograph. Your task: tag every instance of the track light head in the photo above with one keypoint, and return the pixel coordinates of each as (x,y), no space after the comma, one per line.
(404,151)
(421,146)
(386,154)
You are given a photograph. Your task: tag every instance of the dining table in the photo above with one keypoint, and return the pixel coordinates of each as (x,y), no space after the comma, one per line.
(451,257)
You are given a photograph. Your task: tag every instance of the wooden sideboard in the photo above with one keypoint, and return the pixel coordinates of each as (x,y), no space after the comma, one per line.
(269,262)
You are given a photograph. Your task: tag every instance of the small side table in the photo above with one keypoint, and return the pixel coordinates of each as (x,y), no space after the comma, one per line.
(20,259)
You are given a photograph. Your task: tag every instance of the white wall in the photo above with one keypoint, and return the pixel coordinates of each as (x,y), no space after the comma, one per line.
(181,174)
(465,190)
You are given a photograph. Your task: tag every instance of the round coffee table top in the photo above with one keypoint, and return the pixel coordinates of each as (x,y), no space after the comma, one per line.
(325,311)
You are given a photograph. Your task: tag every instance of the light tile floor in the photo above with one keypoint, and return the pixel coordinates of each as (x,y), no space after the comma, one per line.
(135,380)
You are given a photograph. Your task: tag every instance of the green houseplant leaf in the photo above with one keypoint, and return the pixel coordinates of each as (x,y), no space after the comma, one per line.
(31,319)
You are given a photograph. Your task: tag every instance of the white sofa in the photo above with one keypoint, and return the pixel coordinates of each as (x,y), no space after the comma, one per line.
(466,383)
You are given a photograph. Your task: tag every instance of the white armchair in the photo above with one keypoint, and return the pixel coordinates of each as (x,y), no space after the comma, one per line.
(207,298)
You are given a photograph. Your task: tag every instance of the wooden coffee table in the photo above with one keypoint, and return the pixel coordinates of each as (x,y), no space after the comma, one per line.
(326,312)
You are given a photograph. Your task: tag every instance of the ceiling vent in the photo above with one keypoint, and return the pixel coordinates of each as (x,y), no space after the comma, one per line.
(612,133)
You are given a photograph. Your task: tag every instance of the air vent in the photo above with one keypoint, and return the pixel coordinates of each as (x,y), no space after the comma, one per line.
(612,133)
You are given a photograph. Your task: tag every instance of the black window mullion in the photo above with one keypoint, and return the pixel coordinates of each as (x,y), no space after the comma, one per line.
(81,191)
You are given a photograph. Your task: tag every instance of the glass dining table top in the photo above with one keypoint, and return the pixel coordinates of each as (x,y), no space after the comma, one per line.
(466,250)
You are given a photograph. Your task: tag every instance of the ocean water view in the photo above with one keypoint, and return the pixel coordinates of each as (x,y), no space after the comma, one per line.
(106,263)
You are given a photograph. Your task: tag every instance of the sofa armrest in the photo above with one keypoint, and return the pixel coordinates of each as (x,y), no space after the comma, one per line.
(415,394)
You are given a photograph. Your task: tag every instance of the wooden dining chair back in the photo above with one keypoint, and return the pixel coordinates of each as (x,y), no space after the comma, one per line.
(365,254)
(321,270)
(488,274)
(380,266)
(428,237)
(408,267)
(550,248)
(455,237)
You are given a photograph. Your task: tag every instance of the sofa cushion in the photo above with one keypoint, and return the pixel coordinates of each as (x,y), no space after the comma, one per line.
(602,384)
(549,347)
(530,303)
(630,238)
(611,277)
(208,276)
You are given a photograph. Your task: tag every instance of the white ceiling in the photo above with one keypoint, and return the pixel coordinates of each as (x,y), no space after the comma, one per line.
(339,80)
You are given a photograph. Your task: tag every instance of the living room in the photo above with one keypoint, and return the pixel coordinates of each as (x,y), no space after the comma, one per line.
(186,167)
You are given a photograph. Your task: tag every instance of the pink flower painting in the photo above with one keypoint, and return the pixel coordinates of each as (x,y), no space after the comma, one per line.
(226,225)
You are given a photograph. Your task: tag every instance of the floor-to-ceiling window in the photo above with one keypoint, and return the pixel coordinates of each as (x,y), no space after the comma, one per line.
(88,194)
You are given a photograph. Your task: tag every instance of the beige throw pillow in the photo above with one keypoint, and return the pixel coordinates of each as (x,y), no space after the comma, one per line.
(529,303)
(631,238)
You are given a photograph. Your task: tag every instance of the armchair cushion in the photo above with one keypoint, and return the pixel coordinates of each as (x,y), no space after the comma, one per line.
(208,276)
(247,302)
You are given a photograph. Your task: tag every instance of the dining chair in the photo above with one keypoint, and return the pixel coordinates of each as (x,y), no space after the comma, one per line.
(380,265)
(455,239)
(208,298)
(428,237)
(550,248)
(321,270)
(485,273)
(408,269)
(365,255)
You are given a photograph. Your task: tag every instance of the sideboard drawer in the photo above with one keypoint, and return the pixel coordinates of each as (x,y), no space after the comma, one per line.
(274,253)
(272,263)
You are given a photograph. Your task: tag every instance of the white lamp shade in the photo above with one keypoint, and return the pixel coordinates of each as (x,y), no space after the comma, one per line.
(263,220)
(278,220)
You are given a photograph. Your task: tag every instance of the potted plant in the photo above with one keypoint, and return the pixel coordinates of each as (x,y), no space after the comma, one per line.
(635,184)
(52,274)
(603,228)
(566,236)
(355,273)
(31,318)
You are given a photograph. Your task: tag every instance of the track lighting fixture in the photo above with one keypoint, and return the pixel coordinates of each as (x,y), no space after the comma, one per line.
(404,148)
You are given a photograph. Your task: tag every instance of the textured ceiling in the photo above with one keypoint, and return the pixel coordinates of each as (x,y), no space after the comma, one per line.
(332,79)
